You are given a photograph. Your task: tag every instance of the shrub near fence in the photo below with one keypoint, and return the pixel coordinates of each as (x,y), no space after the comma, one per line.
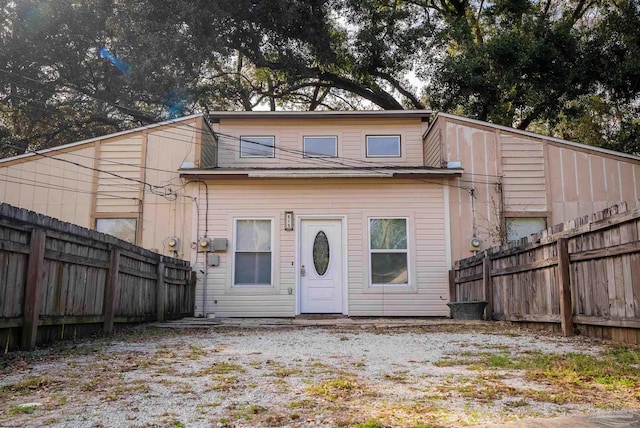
(583,275)
(58,280)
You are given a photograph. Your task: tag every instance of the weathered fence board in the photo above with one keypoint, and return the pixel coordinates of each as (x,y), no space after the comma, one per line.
(594,284)
(80,281)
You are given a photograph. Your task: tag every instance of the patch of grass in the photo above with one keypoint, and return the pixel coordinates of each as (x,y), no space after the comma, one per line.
(208,405)
(22,409)
(165,353)
(334,389)
(225,383)
(220,368)
(195,352)
(119,392)
(371,423)
(617,369)
(29,385)
(301,404)
(400,377)
(285,372)
(248,411)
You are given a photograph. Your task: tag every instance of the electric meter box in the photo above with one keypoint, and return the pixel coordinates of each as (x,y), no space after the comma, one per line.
(219,244)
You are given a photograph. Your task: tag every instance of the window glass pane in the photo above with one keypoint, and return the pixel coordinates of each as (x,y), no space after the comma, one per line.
(383,145)
(123,228)
(321,253)
(388,233)
(520,227)
(253,235)
(389,268)
(253,268)
(320,146)
(257,146)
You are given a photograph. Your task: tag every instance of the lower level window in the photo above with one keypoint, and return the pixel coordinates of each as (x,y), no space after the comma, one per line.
(123,228)
(520,227)
(252,252)
(388,251)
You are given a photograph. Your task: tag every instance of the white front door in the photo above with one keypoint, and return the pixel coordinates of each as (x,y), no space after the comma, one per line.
(321,276)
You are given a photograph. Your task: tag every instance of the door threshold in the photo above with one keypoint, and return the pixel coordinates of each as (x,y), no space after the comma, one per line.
(321,316)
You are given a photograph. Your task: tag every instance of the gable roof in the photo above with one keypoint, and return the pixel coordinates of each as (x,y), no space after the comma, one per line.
(554,140)
(79,144)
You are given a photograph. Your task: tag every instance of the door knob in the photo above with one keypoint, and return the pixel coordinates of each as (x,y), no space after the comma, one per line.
(302,271)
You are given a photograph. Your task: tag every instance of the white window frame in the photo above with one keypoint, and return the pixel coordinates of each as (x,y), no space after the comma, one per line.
(235,240)
(383,156)
(379,251)
(309,155)
(247,139)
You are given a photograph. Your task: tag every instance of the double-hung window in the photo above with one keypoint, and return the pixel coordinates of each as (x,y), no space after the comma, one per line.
(257,146)
(253,245)
(388,251)
(379,146)
(316,147)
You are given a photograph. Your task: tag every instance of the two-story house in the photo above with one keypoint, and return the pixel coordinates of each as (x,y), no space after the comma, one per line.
(355,213)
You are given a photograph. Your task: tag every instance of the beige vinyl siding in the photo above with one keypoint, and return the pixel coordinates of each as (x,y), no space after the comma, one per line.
(540,177)
(164,217)
(357,199)
(433,149)
(479,153)
(583,182)
(52,187)
(117,158)
(289,135)
(524,174)
(209,150)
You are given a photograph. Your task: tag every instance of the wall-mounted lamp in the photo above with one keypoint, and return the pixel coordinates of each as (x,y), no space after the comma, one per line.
(288,220)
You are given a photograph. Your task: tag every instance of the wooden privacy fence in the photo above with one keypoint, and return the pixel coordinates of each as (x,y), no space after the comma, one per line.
(581,275)
(58,279)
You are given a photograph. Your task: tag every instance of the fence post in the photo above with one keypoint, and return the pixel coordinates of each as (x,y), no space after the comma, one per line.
(487,286)
(452,285)
(161,288)
(193,280)
(564,287)
(35,276)
(112,291)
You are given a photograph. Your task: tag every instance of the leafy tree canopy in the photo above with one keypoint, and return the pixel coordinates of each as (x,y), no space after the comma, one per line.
(72,69)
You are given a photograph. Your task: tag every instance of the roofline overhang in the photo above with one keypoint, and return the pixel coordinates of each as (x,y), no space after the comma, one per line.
(235,173)
(403,114)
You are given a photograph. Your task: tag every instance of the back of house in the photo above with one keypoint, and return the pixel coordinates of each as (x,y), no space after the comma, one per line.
(354,213)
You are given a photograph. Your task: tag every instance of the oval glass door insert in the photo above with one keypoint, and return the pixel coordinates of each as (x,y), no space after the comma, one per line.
(321,253)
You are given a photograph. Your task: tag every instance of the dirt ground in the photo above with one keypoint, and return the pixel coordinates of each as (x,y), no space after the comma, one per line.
(296,376)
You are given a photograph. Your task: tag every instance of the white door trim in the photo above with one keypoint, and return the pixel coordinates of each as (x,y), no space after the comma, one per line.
(345,266)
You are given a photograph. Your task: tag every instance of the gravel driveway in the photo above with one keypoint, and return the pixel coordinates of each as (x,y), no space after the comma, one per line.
(290,377)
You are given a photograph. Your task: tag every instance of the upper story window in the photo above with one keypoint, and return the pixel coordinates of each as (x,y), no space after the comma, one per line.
(320,147)
(257,146)
(383,146)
